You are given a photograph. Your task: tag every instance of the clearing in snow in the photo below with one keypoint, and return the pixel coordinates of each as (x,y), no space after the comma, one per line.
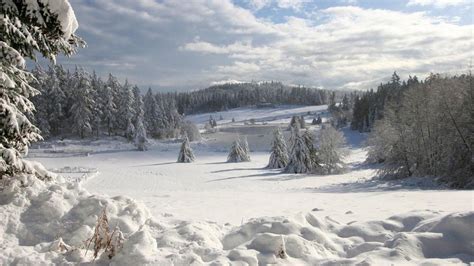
(331,218)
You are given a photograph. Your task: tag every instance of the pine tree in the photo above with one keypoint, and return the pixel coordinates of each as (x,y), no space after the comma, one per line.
(141,140)
(245,147)
(186,154)
(151,113)
(108,110)
(125,110)
(279,155)
(313,152)
(300,158)
(237,153)
(82,108)
(27,28)
(295,122)
(137,104)
(130,132)
(302,122)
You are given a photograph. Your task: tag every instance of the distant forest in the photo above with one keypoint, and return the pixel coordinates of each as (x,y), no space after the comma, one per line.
(81,104)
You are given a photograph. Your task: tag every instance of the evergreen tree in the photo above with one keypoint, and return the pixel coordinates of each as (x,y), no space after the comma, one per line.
(82,108)
(294,122)
(108,110)
(237,153)
(313,152)
(141,140)
(130,132)
(125,110)
(302,122)
(245,147)
(300,158)
(279,155)
(27,28)
(186,154)
(137,104)
(151,113)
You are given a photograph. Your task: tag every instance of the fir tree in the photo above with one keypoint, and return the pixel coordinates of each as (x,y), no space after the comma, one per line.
(27,28)
(186,154)
(302,122)
(245,147)
(141,140)
(300,158)
(237,153)
(81,109)
(279,155)
(109,110)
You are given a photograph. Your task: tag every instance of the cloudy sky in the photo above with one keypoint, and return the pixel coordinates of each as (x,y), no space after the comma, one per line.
(190,44)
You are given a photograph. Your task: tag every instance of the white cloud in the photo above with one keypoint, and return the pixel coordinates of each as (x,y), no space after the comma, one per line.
(438,3)
(346,46)
(289,4)
(354,46)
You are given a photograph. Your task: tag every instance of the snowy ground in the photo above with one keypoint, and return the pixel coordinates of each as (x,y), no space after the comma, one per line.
(231,194)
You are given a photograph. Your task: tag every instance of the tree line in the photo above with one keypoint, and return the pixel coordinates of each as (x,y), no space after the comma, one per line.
(227,96)
(78,103)
(422,128)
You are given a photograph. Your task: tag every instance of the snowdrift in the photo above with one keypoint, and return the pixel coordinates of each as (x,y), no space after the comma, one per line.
(49,223)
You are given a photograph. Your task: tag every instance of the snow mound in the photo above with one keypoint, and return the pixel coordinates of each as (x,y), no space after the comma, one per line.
(50,223)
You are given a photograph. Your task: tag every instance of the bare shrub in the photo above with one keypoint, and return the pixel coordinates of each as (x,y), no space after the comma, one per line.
(105,240)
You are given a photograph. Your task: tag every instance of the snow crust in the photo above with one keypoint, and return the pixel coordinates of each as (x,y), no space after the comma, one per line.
(51,222)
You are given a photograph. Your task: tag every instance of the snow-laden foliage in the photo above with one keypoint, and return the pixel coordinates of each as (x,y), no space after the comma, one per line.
(27,27)
(81,109)
(279,154)
(111,107)
(190,129)
(425,129)
(141,140)
(299,156)
(245,147)
(186,154)
(237,153)
(331,150)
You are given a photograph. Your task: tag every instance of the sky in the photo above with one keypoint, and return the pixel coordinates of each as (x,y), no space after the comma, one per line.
(334,44)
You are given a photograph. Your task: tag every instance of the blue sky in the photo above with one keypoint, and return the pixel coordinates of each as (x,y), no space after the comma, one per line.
(182,45)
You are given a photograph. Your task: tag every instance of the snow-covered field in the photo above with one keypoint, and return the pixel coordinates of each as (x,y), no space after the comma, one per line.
(207,211)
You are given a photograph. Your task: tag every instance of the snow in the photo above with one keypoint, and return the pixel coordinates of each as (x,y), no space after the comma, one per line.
(206,211)
(66,15)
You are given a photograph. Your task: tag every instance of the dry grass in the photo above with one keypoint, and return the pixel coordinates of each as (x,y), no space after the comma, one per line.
(105,240)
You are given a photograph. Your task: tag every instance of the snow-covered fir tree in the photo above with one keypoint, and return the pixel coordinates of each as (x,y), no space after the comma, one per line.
(151,113)
(130,132)
(245,146)
(81,109)
(299,157)
(313,152)
(236,153)
(97,107)
(137,105)
(302,122)
(279,155)
(186,154)
(108,109)
(141,140)
(125,110)
(27,28)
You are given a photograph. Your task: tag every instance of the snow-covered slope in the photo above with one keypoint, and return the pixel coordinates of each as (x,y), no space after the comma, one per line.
(204,212)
